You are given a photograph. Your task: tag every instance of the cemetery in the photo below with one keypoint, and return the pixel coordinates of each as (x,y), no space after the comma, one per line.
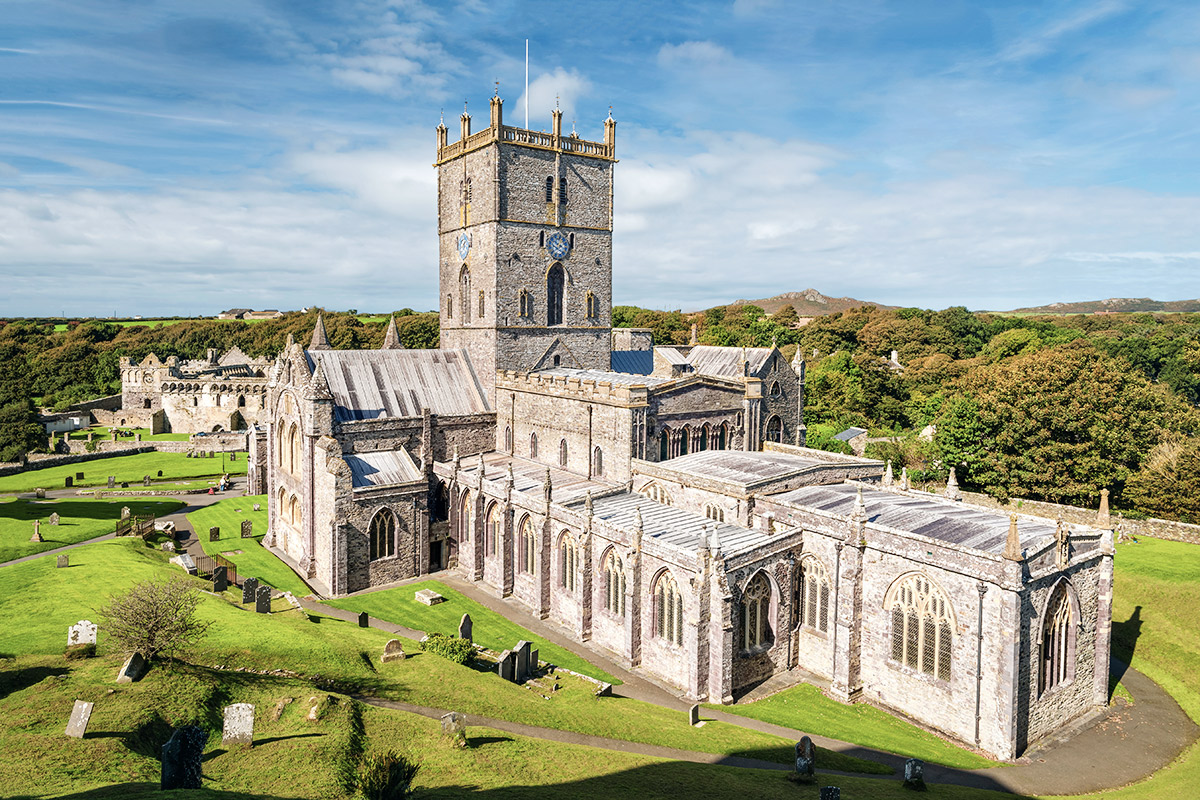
(124,469)
(65,521)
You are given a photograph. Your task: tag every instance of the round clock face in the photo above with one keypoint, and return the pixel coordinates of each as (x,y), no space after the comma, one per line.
(558,246)
(464,245)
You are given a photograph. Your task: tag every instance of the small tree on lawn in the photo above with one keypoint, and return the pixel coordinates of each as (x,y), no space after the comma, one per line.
(155,618)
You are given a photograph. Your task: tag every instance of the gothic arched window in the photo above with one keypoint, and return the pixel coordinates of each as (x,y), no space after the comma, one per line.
(775,429)
(508,440)
(597,462)
(664,444)
(592,312)
(562,189)
(668,609)
(702,438)
(656,493)
(555,283)
(294,457)
(812,594)
(449,306)
(568,564)
(383,535)
(684,437)
(533,445)
(722,436)
(776,390)
(562,452)
(464,517)
(464,284)
(1058,640)
(526,303)
(922,626)
(715,513)
(528,546)
(491,529)
(614,584)
(756,607)
(549,189)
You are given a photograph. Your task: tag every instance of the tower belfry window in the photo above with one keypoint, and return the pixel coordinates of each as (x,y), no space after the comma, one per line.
(555,281)
(562,189)
(464,278)
(549,190)
(526,303)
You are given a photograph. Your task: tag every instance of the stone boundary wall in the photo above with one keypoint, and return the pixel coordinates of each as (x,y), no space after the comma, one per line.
(1154,528)
(110,403)
(106,448)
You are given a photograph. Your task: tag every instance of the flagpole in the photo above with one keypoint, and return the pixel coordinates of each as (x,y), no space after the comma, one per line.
(526,84)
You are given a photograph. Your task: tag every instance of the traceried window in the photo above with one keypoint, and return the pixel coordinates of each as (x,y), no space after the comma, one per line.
(491,529)
(775,429)
(528,546)
(383,534)
(1058,640)
(812,595)
(922,626)
(614,584)
(568,564)
(555,284)
(668,609)
(465,508)
(714,512)
(562,452)
(756,607)
(656,493)
(294,458)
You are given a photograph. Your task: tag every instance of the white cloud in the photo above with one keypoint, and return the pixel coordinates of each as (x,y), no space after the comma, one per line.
(692,55)
(566,87)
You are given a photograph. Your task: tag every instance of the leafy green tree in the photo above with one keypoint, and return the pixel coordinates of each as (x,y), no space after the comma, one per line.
(786,315)
(1168,484)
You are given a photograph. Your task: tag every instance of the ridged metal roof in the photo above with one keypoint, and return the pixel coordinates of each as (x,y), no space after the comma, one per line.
(529,477)
(372,384)
(954,523)
(726,362)
(618,378)
(740,467)
(384,468)
(674,526)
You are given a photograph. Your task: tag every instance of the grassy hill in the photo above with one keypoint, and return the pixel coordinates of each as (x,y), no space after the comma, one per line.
(809,303)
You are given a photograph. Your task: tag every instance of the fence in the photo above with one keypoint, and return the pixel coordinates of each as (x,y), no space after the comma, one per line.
(135,526)
(206,564)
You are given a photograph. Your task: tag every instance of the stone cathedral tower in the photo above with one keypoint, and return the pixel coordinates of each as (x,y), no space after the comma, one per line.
(525,246)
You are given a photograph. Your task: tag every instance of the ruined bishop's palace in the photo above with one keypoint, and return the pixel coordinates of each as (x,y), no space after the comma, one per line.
(655,502)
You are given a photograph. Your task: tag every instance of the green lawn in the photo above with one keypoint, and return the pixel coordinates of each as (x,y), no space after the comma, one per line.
(489,629)
(79,520)
(255,561)
(102,433)
(129,469)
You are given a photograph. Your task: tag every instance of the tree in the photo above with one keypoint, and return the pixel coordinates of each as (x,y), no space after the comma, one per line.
(1168,484)
(155,618)
(786,316)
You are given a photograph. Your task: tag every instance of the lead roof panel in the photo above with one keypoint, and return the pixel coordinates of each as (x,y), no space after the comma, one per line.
(374,384)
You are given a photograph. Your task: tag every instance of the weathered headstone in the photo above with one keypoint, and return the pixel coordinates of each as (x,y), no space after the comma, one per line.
(124,485)
(112,481)
(831,793)
(68,482)
(258,507)
(429,597)
(464,628)
(160,473)
(124,509)
(186,563)
(168,547)
(507,665)
(214,533)
(220,578)
(133,669)
(249,589)
(64,560)
(262,600)
(188,454)
(80,714)
(364,620)
(54,518)
(694,715)
(37,531)
(181,758)
(392,651)
(522,671)
(78,476)
(454,726)
(40,493)
(605,690)
(233,456)
(145,480)
(914,774)
(806,758)
(91,436)
(239,724)
(82,632)
(247,529)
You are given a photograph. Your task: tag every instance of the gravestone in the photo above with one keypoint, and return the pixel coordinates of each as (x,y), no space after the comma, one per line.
(64,560)
(523,671)
(82,632)
(694,715)
(124,485)
(239,725)
(806,758)
(91,436)
(54,518)
(188,454)
(454,726)
(80,714)
(392,651)
(124,509)
(233,456)
(220,578)
(464,628)
(364,620)
(185,562)
(78,476)
(262,600)
(145,480)
(507,665)
(257,507)
(214,533)
(40,494)
(37,531)
(168,547)
(112,481)
(68,482)
(181,758)
(914,774)
(160,473)
(831,793)
(247,529)
(429,597)
(249,589)
(133,669)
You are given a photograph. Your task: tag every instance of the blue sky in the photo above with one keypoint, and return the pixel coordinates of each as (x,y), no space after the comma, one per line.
(183,158)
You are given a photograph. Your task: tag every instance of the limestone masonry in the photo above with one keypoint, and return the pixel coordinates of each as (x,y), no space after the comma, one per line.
(657,502)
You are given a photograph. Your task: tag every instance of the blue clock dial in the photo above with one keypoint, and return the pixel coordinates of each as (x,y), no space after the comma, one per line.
(464,245)
(558,245)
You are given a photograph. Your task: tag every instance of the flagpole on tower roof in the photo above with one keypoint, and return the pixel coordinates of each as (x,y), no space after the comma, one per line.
(526,84)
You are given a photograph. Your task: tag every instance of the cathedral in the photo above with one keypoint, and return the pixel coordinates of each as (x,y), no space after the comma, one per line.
(658,503)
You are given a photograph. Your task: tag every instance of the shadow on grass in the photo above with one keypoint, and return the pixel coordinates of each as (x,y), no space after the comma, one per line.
(1124,642)
(480,741)
(123,790)
(29,510)
(14,680)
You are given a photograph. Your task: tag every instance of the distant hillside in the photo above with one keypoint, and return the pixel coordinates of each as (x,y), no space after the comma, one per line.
(1113,304)
(809,303)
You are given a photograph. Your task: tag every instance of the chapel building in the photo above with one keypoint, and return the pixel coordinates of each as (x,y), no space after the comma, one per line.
(658,503)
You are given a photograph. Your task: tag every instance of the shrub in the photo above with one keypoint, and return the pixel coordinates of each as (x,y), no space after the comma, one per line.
(155,618)
(460,651)
(386,776)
